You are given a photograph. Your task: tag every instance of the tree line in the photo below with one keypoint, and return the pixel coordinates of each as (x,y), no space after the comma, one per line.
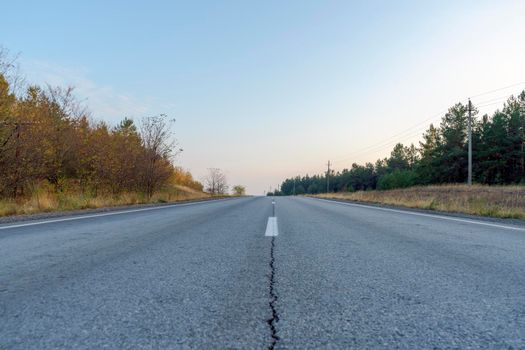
(47,136)
(498,144)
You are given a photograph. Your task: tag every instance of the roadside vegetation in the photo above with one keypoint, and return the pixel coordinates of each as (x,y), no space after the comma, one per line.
(239,190)
(48,200)
(494,201)
(55,156)
(427,175)
(498,143)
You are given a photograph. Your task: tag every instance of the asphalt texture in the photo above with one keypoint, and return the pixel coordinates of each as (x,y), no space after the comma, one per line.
(204,275)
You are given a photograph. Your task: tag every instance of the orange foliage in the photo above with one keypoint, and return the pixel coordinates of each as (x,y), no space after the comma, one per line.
(46,136)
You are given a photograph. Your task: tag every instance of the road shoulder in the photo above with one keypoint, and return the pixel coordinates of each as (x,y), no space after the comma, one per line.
(488,219)
(60,214)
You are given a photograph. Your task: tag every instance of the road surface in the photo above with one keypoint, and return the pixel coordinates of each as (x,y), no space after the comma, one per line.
(222,274)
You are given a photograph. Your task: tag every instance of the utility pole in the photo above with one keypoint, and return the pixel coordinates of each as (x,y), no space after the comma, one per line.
(328,178)
(469,181)
(294,186)
(522,111)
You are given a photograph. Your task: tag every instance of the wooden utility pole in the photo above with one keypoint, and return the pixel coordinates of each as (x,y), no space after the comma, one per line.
(328,178)
(469,180)
(522,111)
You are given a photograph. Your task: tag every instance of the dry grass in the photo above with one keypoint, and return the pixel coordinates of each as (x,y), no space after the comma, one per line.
(494,201)
(45,200)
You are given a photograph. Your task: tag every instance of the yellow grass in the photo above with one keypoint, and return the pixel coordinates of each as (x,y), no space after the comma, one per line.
(45,200)
(494,201)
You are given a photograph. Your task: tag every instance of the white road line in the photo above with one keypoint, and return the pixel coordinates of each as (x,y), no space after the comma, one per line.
(106,214)
(406,212)
(271,227)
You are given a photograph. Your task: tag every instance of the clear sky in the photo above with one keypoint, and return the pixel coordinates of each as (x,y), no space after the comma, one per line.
(269,89)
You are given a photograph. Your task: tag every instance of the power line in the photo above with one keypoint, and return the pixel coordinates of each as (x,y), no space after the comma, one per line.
(414,130)
(435,116)
(383,145)
(386,141)
(498,89)
(407,136)
(489,104)
(506,97)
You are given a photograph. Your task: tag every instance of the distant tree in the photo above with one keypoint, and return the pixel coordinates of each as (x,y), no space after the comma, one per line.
(313,189)
(498,143)
(239,190)
(398,159)
(7,126)
(428,166)
(397,179)
(7,99)
(215,182)
(184,178)
(381,167)
(126,150)
(412,156)
(453,145)
(159,149)
(287,187)
(10,70)
(300,189)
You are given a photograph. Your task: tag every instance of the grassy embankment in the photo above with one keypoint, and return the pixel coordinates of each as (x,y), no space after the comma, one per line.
(46,200)
(494,201)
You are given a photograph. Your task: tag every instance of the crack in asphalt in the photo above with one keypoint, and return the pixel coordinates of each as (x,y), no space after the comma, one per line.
(273,299)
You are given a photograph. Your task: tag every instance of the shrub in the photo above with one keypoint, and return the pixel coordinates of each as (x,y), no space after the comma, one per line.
(397,179)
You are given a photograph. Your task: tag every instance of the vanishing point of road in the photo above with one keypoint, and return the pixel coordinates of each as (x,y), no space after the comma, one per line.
(233,273)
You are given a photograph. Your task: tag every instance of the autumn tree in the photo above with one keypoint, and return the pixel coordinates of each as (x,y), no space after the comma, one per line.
(158,151)
(185,178)
(215,182)
(48,138)
(239,190)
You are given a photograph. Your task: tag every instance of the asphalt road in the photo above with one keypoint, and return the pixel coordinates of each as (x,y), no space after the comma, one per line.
(216,275)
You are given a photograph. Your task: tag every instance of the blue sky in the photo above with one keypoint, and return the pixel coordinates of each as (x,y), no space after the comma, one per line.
(270,89)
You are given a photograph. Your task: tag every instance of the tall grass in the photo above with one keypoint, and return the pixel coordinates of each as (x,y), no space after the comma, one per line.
(494,201)
(44,199)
